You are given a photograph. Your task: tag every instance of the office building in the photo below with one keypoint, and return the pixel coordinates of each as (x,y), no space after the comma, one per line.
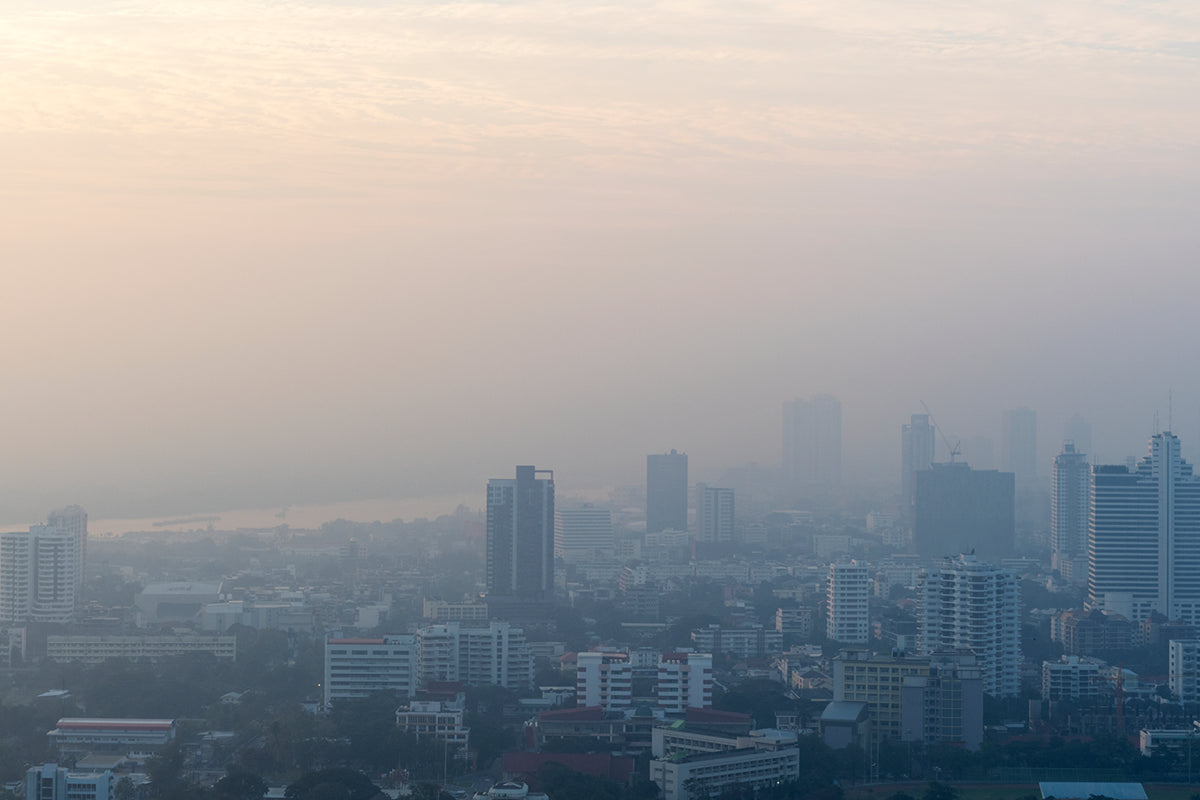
(916,454)
(1069,497)
(714,514)
(812,443)
(959,509)
(584,533)
(1144,536)
(685,680)
(52,782)
(666,492)
(38,575)
(362,667)
(605,679)
(520,536)
(847,595)
(1183,670)
(967,604)
(1018,443)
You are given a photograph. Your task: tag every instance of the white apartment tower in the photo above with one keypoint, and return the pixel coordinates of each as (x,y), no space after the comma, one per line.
(605,679)
(714,514)
(583,534)
(1144,536)
(685,680)
(1069,513)
(361,667)
(1184,671)
(967,604)
(73,520)
(38,575)
(494,653)
(847,595)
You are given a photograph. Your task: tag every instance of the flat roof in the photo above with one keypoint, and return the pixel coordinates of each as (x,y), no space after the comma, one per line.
(82,723)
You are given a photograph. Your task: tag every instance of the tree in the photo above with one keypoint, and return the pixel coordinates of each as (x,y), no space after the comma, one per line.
(124,790)
(332,784)
(940,791)
(239,784)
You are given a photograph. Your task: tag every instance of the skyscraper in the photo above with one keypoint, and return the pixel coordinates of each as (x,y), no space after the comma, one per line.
(1144,536)
(520,536)
(1069,512)
(666,492)
(37,575)
(714,514)
(73,520)
(960,509)
(916,453)
(966,604)
(812,442)
(1018,443)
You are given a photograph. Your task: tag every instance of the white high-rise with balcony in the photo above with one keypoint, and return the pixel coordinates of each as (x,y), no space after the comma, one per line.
(847,599)
(967,604)
(604,678)
(38,575)
(685,680)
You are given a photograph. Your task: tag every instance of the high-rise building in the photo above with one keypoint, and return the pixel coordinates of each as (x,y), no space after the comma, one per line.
(1144,536)
(1184,669)
(1018,443)
(1078,431)
(488,654)
(685,680)
(73,520)
(848,594)
(714,514)
(916,453)
(666,492)
(812,442)
(37,575)
(520,536)
(967,604)
(958,509)
(584,533)
(362,667)
(1069,512)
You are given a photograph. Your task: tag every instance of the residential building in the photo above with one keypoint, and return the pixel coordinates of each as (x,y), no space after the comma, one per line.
(714,514)
(1071,678)
(98,649)
(847,595)
(1069,497)
(52,782)
(520,536)
(73,520)
(685,680)
(362,667)
(1018,443)
(1084,633)
(958,509)
(481,654)
(748,641)
(812,443)
(1184,669)
(584,533)
(1144,536)
(794,621)
(666,492)
(443,611)
(968,604)
(605,679)
(38,575)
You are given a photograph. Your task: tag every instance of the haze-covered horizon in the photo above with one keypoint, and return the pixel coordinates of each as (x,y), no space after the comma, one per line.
(298,253)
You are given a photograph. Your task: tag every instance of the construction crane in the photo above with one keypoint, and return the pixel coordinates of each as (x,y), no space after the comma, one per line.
(954,449)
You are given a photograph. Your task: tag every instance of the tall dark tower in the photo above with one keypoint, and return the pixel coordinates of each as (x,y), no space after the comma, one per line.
(520,536)
(666,492)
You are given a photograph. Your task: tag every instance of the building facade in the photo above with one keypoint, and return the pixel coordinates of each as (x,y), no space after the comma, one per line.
(604,679)
(362,667)
(38,575)
(1071,678)
(968,604)
(1144,536)
(52,782)
(487,654)
(584,533)
(520,536)
(958,509)
(666,492)
(847,596)
(916,454)
(1069,499)
(685,680)
(714,514)
(1184,669)
(98,649)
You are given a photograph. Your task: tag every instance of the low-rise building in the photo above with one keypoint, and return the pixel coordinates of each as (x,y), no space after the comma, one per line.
(1071,678)
(433,719)
(750,641)
(98,649)
(361,667)
(52,782)
(764,758)
(76,736)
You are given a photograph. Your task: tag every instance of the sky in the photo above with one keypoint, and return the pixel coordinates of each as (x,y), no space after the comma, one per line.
(268,253)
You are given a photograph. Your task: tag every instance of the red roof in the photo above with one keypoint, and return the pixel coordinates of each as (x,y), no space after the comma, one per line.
(599,765)
(115,724)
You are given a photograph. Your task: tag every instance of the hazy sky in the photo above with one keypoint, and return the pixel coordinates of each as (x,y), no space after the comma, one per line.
(259,253)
